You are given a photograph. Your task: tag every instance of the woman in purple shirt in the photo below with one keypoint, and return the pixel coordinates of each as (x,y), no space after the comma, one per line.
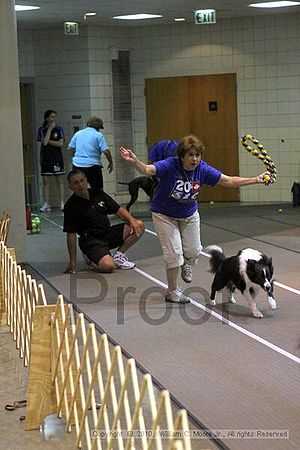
(174,206)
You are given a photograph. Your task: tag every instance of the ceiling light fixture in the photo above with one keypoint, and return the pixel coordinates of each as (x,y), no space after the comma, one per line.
(279,4)
(25,8)
(179,19)
(137,16)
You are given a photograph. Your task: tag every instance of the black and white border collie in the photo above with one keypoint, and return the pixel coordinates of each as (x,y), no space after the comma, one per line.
(246,271)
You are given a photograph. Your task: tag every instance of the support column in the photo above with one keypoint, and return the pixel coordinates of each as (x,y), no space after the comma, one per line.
(12,195)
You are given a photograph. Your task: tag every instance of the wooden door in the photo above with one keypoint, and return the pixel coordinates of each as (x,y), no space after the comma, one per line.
(166,106)
(202,105)
(29,149)
(26,129)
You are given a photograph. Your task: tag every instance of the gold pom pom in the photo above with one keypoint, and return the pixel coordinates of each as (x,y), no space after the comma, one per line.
(262,155)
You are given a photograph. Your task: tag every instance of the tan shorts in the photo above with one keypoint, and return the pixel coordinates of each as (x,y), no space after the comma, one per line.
(179,238)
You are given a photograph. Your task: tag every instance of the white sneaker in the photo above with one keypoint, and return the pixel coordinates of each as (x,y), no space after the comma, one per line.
(122,262)
(176,296)
(62,205)
(186,273)
(45,208)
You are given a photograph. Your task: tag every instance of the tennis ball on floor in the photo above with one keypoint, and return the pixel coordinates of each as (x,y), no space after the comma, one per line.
(211,202)
(280,210)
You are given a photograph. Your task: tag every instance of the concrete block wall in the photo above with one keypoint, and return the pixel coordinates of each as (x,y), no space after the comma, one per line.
(72,75)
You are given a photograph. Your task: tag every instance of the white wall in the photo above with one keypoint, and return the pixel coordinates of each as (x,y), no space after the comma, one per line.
(102,43)
(72,75)
(59,65)
(265,54)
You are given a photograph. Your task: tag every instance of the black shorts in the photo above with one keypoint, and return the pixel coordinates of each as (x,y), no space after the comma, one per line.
(52,169)
(93,175)
(95,248)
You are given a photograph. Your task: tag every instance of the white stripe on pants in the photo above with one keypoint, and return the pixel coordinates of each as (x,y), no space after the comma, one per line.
(179,238)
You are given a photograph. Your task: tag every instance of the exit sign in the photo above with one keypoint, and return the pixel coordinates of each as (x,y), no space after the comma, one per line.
(203,16)
(71,28)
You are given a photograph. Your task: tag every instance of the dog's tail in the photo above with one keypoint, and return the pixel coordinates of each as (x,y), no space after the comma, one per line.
(216,257)
(121,182)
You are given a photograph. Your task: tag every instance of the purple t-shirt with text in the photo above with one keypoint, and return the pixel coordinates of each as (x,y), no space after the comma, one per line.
(176,193)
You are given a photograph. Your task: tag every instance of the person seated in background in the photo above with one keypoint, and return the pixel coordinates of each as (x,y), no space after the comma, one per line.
(87,146)
(86,214)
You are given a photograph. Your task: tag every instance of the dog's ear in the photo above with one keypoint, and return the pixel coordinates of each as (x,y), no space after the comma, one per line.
(270,262)
(270,267)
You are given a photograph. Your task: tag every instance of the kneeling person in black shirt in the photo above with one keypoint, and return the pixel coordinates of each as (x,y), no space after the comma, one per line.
(86,214)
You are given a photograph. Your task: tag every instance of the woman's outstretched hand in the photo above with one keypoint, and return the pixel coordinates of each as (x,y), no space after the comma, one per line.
(260,179)
(127,154)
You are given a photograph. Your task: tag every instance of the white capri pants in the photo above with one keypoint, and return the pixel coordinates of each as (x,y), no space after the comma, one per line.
(179,238)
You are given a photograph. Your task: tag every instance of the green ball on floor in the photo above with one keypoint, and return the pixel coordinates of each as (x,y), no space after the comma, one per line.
(35,224)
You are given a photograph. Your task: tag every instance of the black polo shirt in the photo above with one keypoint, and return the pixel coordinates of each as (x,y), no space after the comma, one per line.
(82,215)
